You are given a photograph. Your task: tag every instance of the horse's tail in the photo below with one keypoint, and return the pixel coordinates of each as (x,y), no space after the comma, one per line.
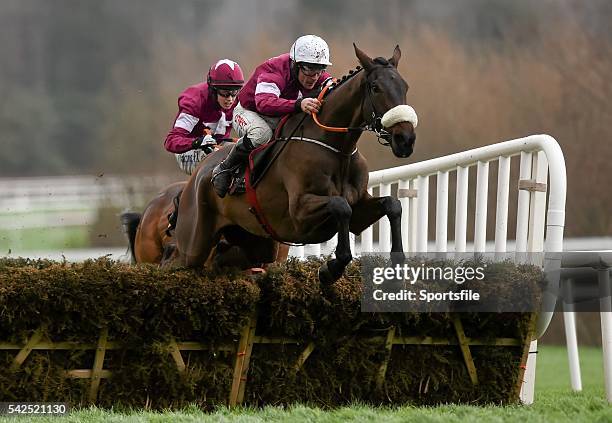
(129,222)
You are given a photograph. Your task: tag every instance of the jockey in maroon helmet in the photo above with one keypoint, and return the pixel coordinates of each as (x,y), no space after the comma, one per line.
(205,114)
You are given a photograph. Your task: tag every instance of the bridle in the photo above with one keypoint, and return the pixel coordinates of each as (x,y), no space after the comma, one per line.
(376,125)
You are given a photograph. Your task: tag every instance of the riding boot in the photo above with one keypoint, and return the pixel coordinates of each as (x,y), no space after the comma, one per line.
(222,173)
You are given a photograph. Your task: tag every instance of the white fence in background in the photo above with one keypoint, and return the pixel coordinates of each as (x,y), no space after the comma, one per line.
(539,226)
(70,200)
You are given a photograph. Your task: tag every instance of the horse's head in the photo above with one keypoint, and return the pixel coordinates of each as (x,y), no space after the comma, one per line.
(385,102)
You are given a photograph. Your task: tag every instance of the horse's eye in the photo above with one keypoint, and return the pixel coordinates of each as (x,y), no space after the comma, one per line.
(375,88)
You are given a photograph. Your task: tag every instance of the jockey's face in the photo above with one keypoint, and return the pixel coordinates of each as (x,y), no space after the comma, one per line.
(226,98)
(309,75)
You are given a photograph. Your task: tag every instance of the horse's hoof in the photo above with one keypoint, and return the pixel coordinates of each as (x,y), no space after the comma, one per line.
(325,276)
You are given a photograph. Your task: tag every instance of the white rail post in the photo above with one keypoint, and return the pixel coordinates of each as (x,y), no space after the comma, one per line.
(384,227)
(422,217)
(521,248)
(414,212)
(352,244)
(569,321)
(315,250)
(403,189)
(461,203)
(330,246)
(366,237)
(442,212)
(501,213)
(480,224)
(535,243)
(538,204)
(606,328)
(522,215)
(297,251)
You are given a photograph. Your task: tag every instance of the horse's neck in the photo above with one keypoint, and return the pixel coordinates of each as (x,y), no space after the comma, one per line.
(343,107)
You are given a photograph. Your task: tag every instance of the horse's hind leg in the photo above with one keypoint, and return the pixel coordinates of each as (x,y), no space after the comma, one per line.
(341,211)
(371,209)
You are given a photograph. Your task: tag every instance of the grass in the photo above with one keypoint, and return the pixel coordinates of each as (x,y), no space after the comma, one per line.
(51,238)
(554,402)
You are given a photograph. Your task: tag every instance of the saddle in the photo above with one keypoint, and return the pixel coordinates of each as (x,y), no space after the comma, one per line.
(258,161)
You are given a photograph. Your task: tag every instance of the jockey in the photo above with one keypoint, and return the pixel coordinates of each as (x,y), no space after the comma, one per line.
(277,87)
(205,115)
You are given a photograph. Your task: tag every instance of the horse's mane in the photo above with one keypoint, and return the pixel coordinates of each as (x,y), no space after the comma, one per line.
(340,81)
(353,72)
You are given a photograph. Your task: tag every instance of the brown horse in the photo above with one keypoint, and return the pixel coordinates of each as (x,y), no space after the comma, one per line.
(148,239)
(312,191)
(150,242)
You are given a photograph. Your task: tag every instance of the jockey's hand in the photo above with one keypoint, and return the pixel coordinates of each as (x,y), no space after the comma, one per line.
(206,143)
(310,105)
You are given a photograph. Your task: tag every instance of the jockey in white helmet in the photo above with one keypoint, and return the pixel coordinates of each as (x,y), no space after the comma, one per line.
(277,87)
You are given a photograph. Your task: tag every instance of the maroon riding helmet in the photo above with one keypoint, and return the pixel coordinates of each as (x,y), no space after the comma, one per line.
(226,75)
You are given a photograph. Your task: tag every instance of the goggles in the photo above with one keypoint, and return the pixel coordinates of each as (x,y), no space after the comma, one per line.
(311,70)
(227,93)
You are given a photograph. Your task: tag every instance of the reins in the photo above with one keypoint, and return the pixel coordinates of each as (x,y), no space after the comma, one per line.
(320,97)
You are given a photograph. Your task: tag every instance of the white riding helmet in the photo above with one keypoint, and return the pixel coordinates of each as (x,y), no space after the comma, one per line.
(310,49)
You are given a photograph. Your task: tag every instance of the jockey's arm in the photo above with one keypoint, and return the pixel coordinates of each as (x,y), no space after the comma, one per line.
(180,138)
(267,96)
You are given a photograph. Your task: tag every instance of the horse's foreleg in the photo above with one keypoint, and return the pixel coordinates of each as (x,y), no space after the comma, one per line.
(341,211)
(370,209)
(311,213)
(196,248)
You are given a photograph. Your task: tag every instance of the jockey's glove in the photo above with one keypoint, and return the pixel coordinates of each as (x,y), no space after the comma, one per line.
(298,105)
(205,143)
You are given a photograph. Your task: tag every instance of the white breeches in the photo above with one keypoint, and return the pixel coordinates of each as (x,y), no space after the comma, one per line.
(258,128)
(189,160)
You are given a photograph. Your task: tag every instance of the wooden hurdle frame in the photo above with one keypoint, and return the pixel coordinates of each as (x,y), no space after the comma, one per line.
(244,347)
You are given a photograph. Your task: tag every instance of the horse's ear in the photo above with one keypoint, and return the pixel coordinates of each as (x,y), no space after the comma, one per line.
(397,53)
(364,59)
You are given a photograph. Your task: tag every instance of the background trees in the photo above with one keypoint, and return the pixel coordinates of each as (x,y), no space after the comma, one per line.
(91,87)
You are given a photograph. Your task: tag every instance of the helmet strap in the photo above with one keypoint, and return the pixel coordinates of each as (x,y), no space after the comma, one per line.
(295,69)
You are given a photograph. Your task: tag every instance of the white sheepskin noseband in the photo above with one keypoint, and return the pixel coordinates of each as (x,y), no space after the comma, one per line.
(401,113)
